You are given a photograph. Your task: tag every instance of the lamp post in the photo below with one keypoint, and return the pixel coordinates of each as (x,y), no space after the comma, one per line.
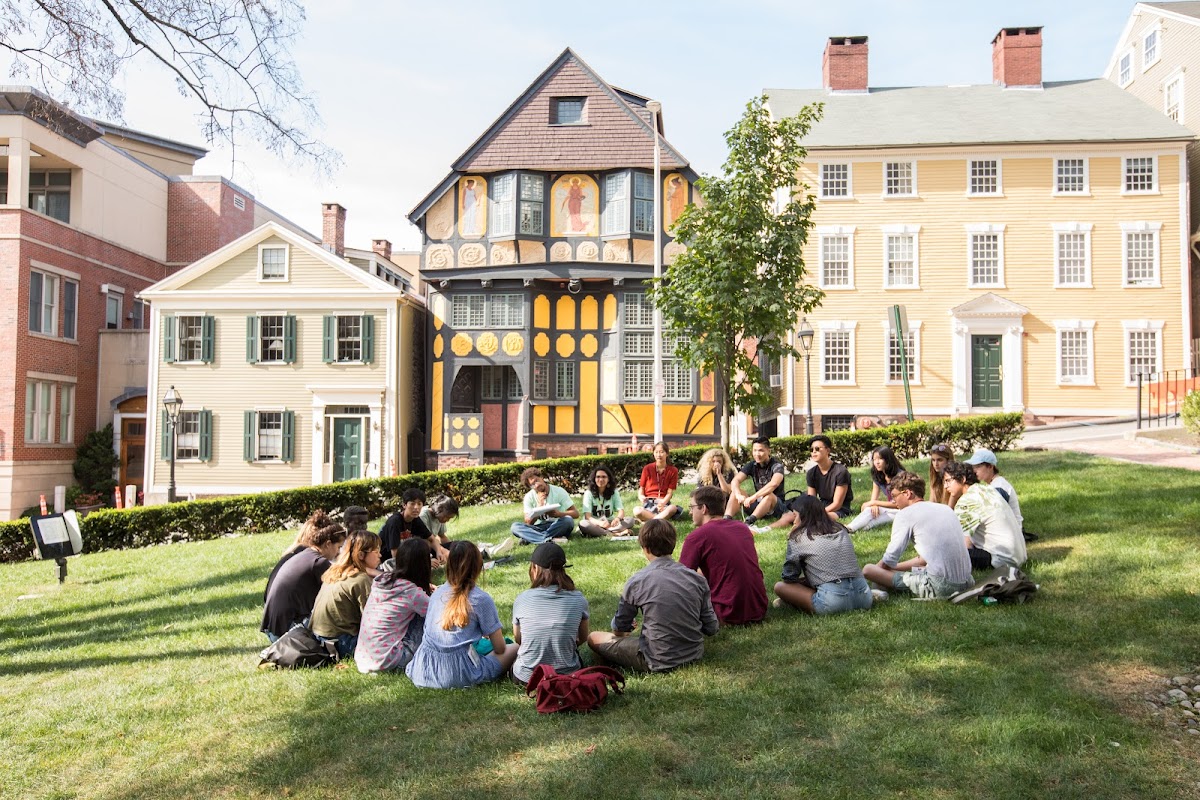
(172,403)
(806,340)
(655,109)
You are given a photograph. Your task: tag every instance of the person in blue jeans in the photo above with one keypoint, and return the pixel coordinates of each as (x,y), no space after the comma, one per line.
(542,526)
(820,571)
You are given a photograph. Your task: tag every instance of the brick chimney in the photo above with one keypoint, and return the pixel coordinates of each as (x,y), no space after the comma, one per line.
(844,64)
(333,229)
(1017,57)
(382,247)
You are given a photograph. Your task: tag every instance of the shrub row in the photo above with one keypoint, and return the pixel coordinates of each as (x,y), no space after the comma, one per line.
(270,511)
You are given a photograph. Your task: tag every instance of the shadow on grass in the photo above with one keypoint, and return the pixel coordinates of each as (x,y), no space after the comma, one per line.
(71,662)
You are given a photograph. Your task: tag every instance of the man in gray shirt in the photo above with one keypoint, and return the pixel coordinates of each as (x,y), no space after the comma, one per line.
(942,566)
(677,611)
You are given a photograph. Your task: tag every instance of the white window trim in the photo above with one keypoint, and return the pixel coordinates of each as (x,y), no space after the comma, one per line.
(999,178)
(915,231)
(1128,325)
(119,294)
(1124,168)
(262,362)
(1120,58)
(56,303)
(1074,227)
(915,191)
(181,460)
(1088,326)
(824,232)
(1155,29)
(287,263)
(66,434)
(179,340)
(1177,76)
(1141,227)
(52,420)
(821,182)
(1087,177)
(914,326)
(998,230)
(258,412)
(838,325)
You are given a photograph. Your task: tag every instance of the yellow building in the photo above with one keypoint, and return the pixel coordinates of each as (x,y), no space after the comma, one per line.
(1035,234)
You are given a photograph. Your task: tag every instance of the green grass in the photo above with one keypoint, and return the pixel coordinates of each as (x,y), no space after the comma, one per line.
(137,679)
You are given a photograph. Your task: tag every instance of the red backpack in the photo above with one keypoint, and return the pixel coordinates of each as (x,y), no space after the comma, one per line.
(582,690)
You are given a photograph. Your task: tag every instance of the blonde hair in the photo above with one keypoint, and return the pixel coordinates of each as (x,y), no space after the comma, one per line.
(704,467)
(352,561)
(463,566)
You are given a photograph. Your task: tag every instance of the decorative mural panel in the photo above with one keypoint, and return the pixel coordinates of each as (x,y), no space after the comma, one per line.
(487,344)
(472,207)
(565,345)
(616,251)
(513,344)
(574,206)
(439,222)
(671,252)
(675,199)
(439,256)
(534,252)
(472,254)
(588,346)
(503,253)
(465,434)
(460,345)
(438,345)
(587,251)
(437,309)
(560,251)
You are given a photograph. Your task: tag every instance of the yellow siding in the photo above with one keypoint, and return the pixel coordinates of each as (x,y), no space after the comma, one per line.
(589,396)
(589,314)
(240,273)
(541,311)
(436,392)
(541,419)
(565,313)
(564,419)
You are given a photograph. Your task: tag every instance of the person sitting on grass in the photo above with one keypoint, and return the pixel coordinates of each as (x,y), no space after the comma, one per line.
(603,513)
(346,585)
(676,608)
(406,524)
(393,620)
(553,523)
(435,516)
(820,571)
(550,618)
(942,566)
(295,581)
(828,480)
(355,518)
(463,642)
(939,456)
(994,537)
(988,471)
(715,468)
(658,483)
(879,510)
(722,550)
(767,474)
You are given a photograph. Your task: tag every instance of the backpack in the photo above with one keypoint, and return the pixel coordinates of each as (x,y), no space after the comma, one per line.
(1005,585)
(299,647)
(583,690)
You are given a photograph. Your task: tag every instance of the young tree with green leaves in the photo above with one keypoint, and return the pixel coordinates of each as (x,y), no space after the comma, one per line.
(741,280)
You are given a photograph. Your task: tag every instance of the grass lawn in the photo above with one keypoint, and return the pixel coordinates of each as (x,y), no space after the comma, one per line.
(138,679)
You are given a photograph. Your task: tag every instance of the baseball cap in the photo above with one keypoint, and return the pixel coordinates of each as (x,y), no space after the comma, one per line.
(549,555)
(982,456)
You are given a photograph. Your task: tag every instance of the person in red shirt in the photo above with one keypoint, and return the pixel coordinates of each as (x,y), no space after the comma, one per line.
(722,550)
(659,481)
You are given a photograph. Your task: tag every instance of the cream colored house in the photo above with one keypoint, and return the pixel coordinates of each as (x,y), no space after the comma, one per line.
(296,366)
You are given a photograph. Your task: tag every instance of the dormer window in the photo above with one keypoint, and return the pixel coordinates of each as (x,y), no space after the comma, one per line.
(567,110)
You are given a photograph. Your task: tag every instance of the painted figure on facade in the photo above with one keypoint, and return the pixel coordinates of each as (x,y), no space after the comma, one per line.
(677,199)
(471,207)
(574,206)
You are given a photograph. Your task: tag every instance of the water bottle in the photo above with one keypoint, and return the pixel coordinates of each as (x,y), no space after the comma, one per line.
(990,601)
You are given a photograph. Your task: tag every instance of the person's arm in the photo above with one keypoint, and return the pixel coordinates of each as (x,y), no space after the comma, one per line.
(498,643)
(622,621)
(642,497)
(770,486)
(901,535)
(618,510)
(690,555)
(584,630)
(736,486)
(529,504)
(969,509)
(810,482)
(516,632)
(839,494)
(709,624)
(668,490)
(565,499)
(793,564)
(721,479)
(874,501)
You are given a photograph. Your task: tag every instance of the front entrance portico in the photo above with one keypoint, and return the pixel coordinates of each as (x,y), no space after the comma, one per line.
(988,355)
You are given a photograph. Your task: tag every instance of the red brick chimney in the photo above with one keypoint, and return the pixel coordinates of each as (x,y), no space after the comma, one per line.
(1017,57)
(382,247)
(333,229)
(844,64)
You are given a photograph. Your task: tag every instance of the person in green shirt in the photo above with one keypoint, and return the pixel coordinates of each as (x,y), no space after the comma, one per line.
(541,524)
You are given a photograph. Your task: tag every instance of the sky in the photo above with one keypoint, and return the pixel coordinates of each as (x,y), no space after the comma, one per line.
(405,87)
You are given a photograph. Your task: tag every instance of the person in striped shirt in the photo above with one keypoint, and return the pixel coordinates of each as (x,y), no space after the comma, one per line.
(550,618)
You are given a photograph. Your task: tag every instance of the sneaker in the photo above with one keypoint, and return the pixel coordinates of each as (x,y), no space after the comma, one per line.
(777,602)
(560,540)
(761,528)
(502,549)
(879,596)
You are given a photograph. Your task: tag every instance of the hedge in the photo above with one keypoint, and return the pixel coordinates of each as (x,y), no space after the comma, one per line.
(497,483)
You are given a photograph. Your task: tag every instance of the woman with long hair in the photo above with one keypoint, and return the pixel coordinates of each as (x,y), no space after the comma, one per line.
(879,510)
(337,613)
(550,618)
(464,642)
(660,479)
(939,456)
(295,581)
(820,571)
(603,512)
(393,621)
(715,468)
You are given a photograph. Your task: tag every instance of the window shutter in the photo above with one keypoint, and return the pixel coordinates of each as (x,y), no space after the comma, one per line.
(169,340)
(251,340)
(289,437)
(205,435)
(248,435)
(368,338)
(329,339)
(289,339)
(165,437)
(208,331)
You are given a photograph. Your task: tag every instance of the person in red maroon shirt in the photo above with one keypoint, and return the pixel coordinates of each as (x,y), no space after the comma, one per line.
(722,550)
(659,481)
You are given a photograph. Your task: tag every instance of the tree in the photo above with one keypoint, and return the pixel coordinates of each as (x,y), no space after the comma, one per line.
(95,463)
(232,57)
(741,280)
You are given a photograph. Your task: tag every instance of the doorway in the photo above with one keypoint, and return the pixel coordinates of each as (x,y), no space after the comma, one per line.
(347,448)
(987,371)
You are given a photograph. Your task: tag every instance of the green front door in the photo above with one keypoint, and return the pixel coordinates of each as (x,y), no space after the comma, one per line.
(347,448)
(987,372)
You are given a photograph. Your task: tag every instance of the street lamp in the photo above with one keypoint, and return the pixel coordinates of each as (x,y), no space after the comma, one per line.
(172,403)
(806,340)
(655,109)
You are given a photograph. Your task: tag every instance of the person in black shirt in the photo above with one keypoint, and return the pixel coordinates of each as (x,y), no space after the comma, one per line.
(406,524)
(829,480)
(767,473)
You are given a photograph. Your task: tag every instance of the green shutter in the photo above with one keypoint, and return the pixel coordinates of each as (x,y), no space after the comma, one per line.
(165,437)
(289,437)
(205,435)
(169,340)
(329,339)
(368,338)
(208,331)
(251,340)
(289,339)
(248,431)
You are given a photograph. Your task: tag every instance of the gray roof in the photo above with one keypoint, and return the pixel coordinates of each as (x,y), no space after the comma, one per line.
(1064,111)
(1188,8)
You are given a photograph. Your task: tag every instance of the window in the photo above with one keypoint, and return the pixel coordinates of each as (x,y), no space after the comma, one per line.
(506,311)
(541,380)
(567,110)
(272,262)
(1143,349)
(532,194)
(985,244)
(1141,253)
(900,179)
(837,258)
(491,383)
(772,371)
(1149,49)
(677,378)
(70,309)
(112,310)
(1075,353)
(513,389)
(837,422)
(3,187)
(271,339)
(187,440)
(616,204)
(564,380)
(39,412)
(50,194)
(192,339)
(66,414)
(639,311)
(835,181)
(1125,69)
(900,257)
(983,177)
(1070,176)
(643,203)
(895,369)
(837,355)
(466,311)
(1173,99)
(346,339)
(43,303)
(349,339)
(1073,254)
(637,349)
(1140,175)
(138,315)
(270,436)
(504,189)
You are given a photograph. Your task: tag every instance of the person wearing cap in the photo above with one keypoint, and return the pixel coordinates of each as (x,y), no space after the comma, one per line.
(722,550)
(544,526)
(550,618)
(993,534)
(984,462)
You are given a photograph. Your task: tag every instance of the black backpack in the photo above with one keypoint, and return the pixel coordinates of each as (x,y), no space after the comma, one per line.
(299,647)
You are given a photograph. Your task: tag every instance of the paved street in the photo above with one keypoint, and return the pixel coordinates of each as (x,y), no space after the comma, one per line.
(1111,440)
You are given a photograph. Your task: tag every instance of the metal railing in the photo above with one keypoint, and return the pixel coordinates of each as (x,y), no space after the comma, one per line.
(1160,396)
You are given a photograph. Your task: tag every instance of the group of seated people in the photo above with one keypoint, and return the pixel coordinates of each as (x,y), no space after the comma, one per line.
(373,597)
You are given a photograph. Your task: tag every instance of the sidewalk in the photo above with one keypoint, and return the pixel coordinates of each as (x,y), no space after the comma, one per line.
(1128,448)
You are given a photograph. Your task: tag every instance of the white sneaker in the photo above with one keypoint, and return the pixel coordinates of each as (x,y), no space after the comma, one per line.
(879,595)
(503,548)
(761,528)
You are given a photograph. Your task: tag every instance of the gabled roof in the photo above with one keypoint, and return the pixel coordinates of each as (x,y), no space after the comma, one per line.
(1093,110)
(618,132)
(989,305)
(44,110)
(1187,12)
